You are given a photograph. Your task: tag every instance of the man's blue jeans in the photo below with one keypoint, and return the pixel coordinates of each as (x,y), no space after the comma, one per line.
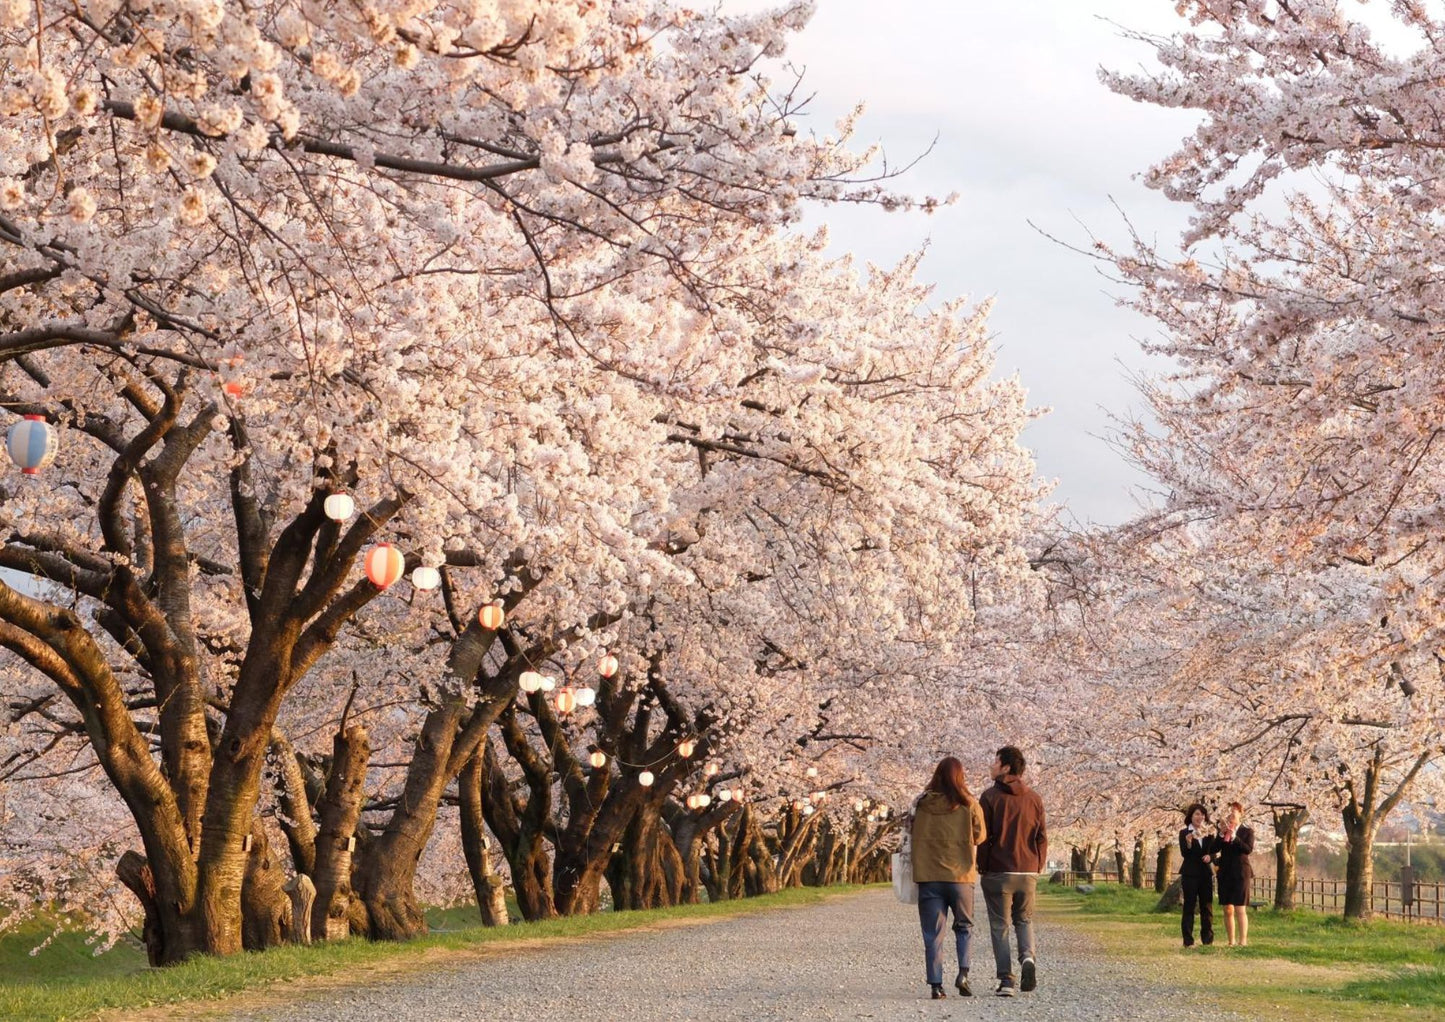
(936,899)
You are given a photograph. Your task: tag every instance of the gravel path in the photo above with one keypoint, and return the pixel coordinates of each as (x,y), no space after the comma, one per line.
(857,957)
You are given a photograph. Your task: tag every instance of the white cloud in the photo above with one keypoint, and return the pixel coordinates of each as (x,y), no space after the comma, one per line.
(1025,134)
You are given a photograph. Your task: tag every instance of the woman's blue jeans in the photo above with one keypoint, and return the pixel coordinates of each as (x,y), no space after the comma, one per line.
(936,899)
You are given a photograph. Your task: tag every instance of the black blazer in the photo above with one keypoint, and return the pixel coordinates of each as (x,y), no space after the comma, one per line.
(1194,867)
(1234,855)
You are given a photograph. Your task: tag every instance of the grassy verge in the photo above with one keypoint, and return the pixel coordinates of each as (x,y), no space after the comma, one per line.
(65,981)
(1306,963)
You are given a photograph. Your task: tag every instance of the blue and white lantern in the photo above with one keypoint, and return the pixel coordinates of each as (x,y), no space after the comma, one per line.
(31,443)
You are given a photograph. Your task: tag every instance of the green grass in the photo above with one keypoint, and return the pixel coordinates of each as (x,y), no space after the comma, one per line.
(1334,964)
(65,981)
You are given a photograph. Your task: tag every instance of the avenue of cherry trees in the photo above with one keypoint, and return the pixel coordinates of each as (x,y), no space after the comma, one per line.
(524,281)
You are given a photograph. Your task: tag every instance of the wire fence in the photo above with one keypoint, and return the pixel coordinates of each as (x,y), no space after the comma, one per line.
(1387,897)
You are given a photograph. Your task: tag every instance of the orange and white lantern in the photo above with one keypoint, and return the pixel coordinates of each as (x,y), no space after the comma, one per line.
(491,617)
(384,565)
(566,700)
(607,666)
(686,747)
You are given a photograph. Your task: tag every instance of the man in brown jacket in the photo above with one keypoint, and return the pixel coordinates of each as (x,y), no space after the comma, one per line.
(1009,860)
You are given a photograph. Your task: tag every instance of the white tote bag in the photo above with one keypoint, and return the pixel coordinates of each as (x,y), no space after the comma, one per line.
(904,889)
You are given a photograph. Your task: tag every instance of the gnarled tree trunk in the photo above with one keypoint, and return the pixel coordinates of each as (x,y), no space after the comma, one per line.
(1287,823)
(340,810)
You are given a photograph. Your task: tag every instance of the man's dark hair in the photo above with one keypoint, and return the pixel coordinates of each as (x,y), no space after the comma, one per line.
(1012,760)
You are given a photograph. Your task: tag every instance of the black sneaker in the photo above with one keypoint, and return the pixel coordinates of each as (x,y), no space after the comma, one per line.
(1006,987)
(1030,977)
(964,990)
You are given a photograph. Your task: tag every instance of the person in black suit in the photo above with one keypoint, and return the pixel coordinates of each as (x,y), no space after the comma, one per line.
(1236,844)
(1196,874)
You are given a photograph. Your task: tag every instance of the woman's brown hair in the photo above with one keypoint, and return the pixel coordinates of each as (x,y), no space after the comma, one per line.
(948,781)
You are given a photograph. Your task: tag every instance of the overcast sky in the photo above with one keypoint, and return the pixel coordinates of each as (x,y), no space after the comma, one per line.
(1025,133)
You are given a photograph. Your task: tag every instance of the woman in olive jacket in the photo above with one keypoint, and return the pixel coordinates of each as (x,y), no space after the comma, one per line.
(947,827)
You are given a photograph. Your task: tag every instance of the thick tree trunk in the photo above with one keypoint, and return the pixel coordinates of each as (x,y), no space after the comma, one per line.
(339,809)
(449,736)
(489,887)
(1163,863)
(1359,868)
(532,879)
(1119,864)
(1136,867)
(1287,824)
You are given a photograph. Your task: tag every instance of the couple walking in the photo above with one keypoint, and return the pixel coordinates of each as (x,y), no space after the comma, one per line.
(998,841)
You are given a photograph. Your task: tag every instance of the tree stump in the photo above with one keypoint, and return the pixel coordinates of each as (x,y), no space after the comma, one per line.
(494,905)
(1172,898)
(303,895)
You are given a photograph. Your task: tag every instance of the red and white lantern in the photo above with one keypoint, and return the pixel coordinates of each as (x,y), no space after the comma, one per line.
(686,747)
(384,565)
(607,666)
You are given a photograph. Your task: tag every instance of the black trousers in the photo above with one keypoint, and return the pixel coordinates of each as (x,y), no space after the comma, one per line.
(1198,891)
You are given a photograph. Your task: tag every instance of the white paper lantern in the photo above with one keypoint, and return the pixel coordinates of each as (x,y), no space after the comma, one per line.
(339,506)
(812,771)
(425,577)
(704,800)
(686,747)
(807,810)
(598,759)
(724,795)
(645,778)
(586,696)
(548,683)
(710,770)
(530,682)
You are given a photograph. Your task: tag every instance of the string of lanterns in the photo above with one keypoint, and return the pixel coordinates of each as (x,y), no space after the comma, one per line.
(32,444)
